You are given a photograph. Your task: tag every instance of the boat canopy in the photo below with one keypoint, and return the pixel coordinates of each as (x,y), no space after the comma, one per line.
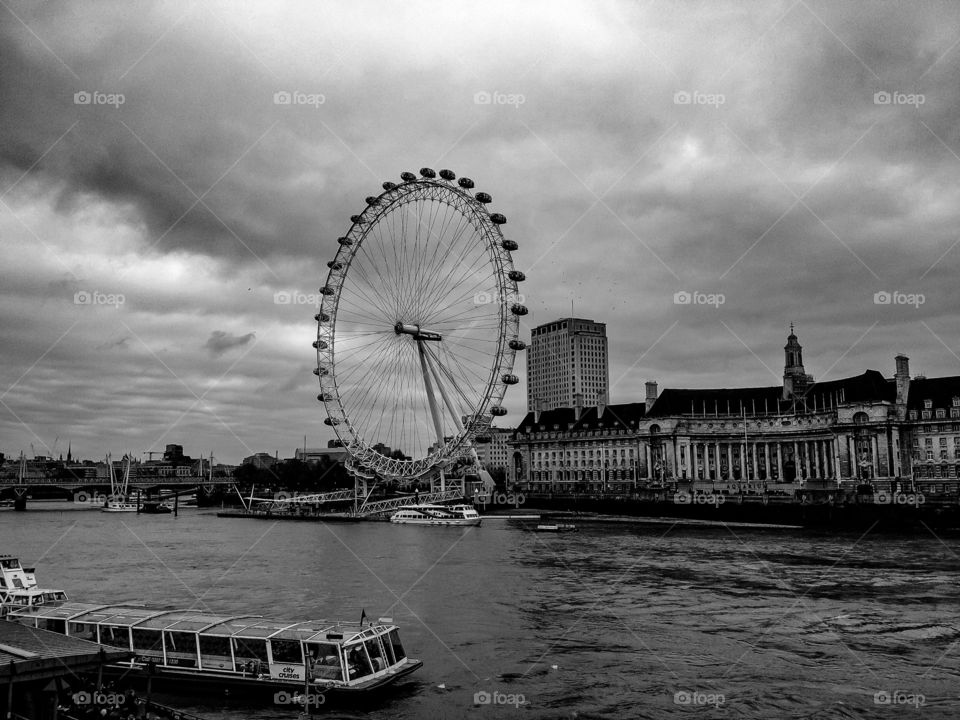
(247,626)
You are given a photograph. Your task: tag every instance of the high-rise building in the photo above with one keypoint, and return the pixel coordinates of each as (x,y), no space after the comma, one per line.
(567,364)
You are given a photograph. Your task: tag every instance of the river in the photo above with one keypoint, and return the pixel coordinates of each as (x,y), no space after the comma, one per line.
(639,620)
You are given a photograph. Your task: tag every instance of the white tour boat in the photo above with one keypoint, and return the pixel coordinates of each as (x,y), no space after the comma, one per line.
(436,515)
(242,652)
(19,590)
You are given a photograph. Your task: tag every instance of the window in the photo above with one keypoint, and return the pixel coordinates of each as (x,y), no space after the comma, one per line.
(325,661)
(941,413)
(913,414)
(115,636)
(394,639)
(147,640)
(286,651)
(928,404)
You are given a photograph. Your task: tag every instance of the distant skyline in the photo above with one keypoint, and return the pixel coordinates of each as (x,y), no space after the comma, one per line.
(696,176)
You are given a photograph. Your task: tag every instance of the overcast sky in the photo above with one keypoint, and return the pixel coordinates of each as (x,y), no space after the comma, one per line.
(795,158)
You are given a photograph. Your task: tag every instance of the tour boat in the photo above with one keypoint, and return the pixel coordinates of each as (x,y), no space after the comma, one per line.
(119,505)
(436,515)
(19,590)
(236,651)
(153,507)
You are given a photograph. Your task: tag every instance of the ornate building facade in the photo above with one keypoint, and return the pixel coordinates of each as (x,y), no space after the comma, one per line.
(862,429)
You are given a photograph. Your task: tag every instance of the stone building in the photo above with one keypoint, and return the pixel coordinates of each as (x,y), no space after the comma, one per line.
(865,428)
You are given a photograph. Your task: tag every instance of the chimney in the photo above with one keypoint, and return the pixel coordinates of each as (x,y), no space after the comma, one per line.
(577,405)
(902,378)
(651,394)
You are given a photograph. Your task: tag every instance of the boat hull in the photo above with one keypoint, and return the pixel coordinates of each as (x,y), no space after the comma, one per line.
(437,521)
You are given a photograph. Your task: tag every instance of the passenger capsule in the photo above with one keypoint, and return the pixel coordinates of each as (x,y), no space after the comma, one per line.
(483,197)
(407,176)
(498,410)
(517,345)
(357,219)
(372,200)
(327,290)
(334,265)
(320,344)
(427,173)
(321,371)
(518,309)
(510,379)
(465,182)
(389,185)
(330,421)
(345,241)
(509,245)
(482,439)
(516,276)
(497,219)
(448,175)
(321,317)
(324,397)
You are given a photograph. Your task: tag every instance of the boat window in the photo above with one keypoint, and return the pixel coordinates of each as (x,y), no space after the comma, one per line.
(53,625)
(10,564)
(115,636)
(180,642)
(215,645)
(375,652)
(388,648)
(358,664)
(83,631)
(325,661)
(398,652)
(287,651)
(147,640)
(250,648)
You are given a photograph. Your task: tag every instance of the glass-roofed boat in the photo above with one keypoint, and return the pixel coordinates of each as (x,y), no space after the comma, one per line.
(236,651)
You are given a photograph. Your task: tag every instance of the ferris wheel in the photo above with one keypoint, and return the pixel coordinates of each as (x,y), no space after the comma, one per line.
(418,326)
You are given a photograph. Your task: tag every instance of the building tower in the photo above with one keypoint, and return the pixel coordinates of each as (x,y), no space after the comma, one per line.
(567,358)
(794,376)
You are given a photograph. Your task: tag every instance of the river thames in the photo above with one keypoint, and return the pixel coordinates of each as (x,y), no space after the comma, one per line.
(640,620)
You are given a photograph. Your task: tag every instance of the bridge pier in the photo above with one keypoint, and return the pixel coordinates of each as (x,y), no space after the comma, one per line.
(20,499)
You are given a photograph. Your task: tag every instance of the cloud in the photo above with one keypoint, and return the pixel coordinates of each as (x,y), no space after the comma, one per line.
(220,342)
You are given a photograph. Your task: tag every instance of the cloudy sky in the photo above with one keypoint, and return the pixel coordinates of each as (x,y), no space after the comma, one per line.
(776,161)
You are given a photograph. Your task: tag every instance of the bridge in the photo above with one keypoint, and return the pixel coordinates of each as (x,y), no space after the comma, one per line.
(22,486)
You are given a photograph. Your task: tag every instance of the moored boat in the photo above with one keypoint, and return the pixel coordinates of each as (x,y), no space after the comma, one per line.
(115,505)
(152,507)
(436,515)
(236,651)
(19,589)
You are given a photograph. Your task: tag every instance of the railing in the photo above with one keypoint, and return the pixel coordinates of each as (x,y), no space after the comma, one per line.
(384,506)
